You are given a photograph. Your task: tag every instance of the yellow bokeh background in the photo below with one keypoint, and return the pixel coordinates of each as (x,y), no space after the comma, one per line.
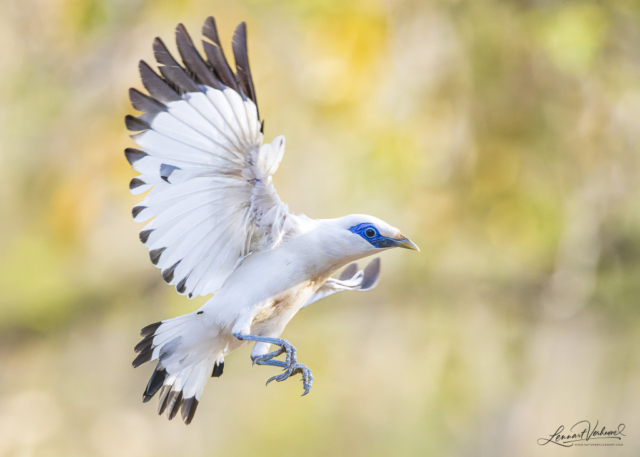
(501,136)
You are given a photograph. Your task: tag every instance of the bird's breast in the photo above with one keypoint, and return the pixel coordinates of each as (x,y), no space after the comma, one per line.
(274,314)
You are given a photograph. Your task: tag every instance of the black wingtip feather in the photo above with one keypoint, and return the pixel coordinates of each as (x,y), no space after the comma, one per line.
(171,70)
(144,235)
(218,368)
(137,210)
(215,55)
(167,274)
(210,31)
(181,287)
(135,183)
(193,60)
(157,86)
(142,102)
(243,70)
(135,124)
(155,254)
(133,155)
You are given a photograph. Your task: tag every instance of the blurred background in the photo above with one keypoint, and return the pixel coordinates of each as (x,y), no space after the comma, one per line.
(501,136)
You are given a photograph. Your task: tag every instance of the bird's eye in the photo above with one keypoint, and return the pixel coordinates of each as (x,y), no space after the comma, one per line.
(370,233)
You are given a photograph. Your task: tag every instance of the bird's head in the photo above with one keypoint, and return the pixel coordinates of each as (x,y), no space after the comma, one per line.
(358,236)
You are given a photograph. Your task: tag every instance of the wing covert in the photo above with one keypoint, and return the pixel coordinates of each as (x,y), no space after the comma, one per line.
(200,154)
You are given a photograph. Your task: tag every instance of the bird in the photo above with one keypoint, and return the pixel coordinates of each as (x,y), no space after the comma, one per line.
(218,227)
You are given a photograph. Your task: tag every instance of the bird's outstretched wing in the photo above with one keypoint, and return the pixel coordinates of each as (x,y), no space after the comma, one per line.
(350,279)
(200,153)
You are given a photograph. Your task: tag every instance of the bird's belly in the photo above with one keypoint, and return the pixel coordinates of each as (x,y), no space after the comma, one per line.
(271,318)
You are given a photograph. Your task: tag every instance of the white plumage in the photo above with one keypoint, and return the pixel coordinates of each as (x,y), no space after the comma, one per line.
(218,226)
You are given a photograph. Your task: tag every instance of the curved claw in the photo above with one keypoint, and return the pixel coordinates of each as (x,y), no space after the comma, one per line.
(279,378)
(307,377)
(306,384)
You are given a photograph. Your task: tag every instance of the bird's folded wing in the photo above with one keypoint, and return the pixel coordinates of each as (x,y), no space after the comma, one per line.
(350,279)
(200,153)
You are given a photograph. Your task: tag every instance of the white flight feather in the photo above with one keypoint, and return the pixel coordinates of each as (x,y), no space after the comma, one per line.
(171,232)
(159,145)
(165,124)
(224,248)
(218,119)
(150,165)
(237,106)
(223,105)
(197,236)
(186,113)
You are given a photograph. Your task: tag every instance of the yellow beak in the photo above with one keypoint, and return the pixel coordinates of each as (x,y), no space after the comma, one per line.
(404,242)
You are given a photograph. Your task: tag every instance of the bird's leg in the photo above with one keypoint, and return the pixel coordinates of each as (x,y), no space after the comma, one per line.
(290,366)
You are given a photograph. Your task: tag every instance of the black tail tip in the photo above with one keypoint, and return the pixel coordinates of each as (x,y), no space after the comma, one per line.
(143,357)
(188,409)
(150,329)
(155,383)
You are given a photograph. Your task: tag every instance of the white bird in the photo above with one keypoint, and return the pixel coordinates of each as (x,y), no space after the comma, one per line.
(220,228)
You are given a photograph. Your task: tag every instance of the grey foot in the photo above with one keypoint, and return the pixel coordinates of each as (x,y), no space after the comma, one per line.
(298,368)
(290,366)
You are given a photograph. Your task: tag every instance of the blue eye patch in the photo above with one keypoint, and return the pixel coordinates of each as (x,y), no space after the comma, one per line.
(370,233)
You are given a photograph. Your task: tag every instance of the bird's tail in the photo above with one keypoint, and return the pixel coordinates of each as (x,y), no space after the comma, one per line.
(186,354)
